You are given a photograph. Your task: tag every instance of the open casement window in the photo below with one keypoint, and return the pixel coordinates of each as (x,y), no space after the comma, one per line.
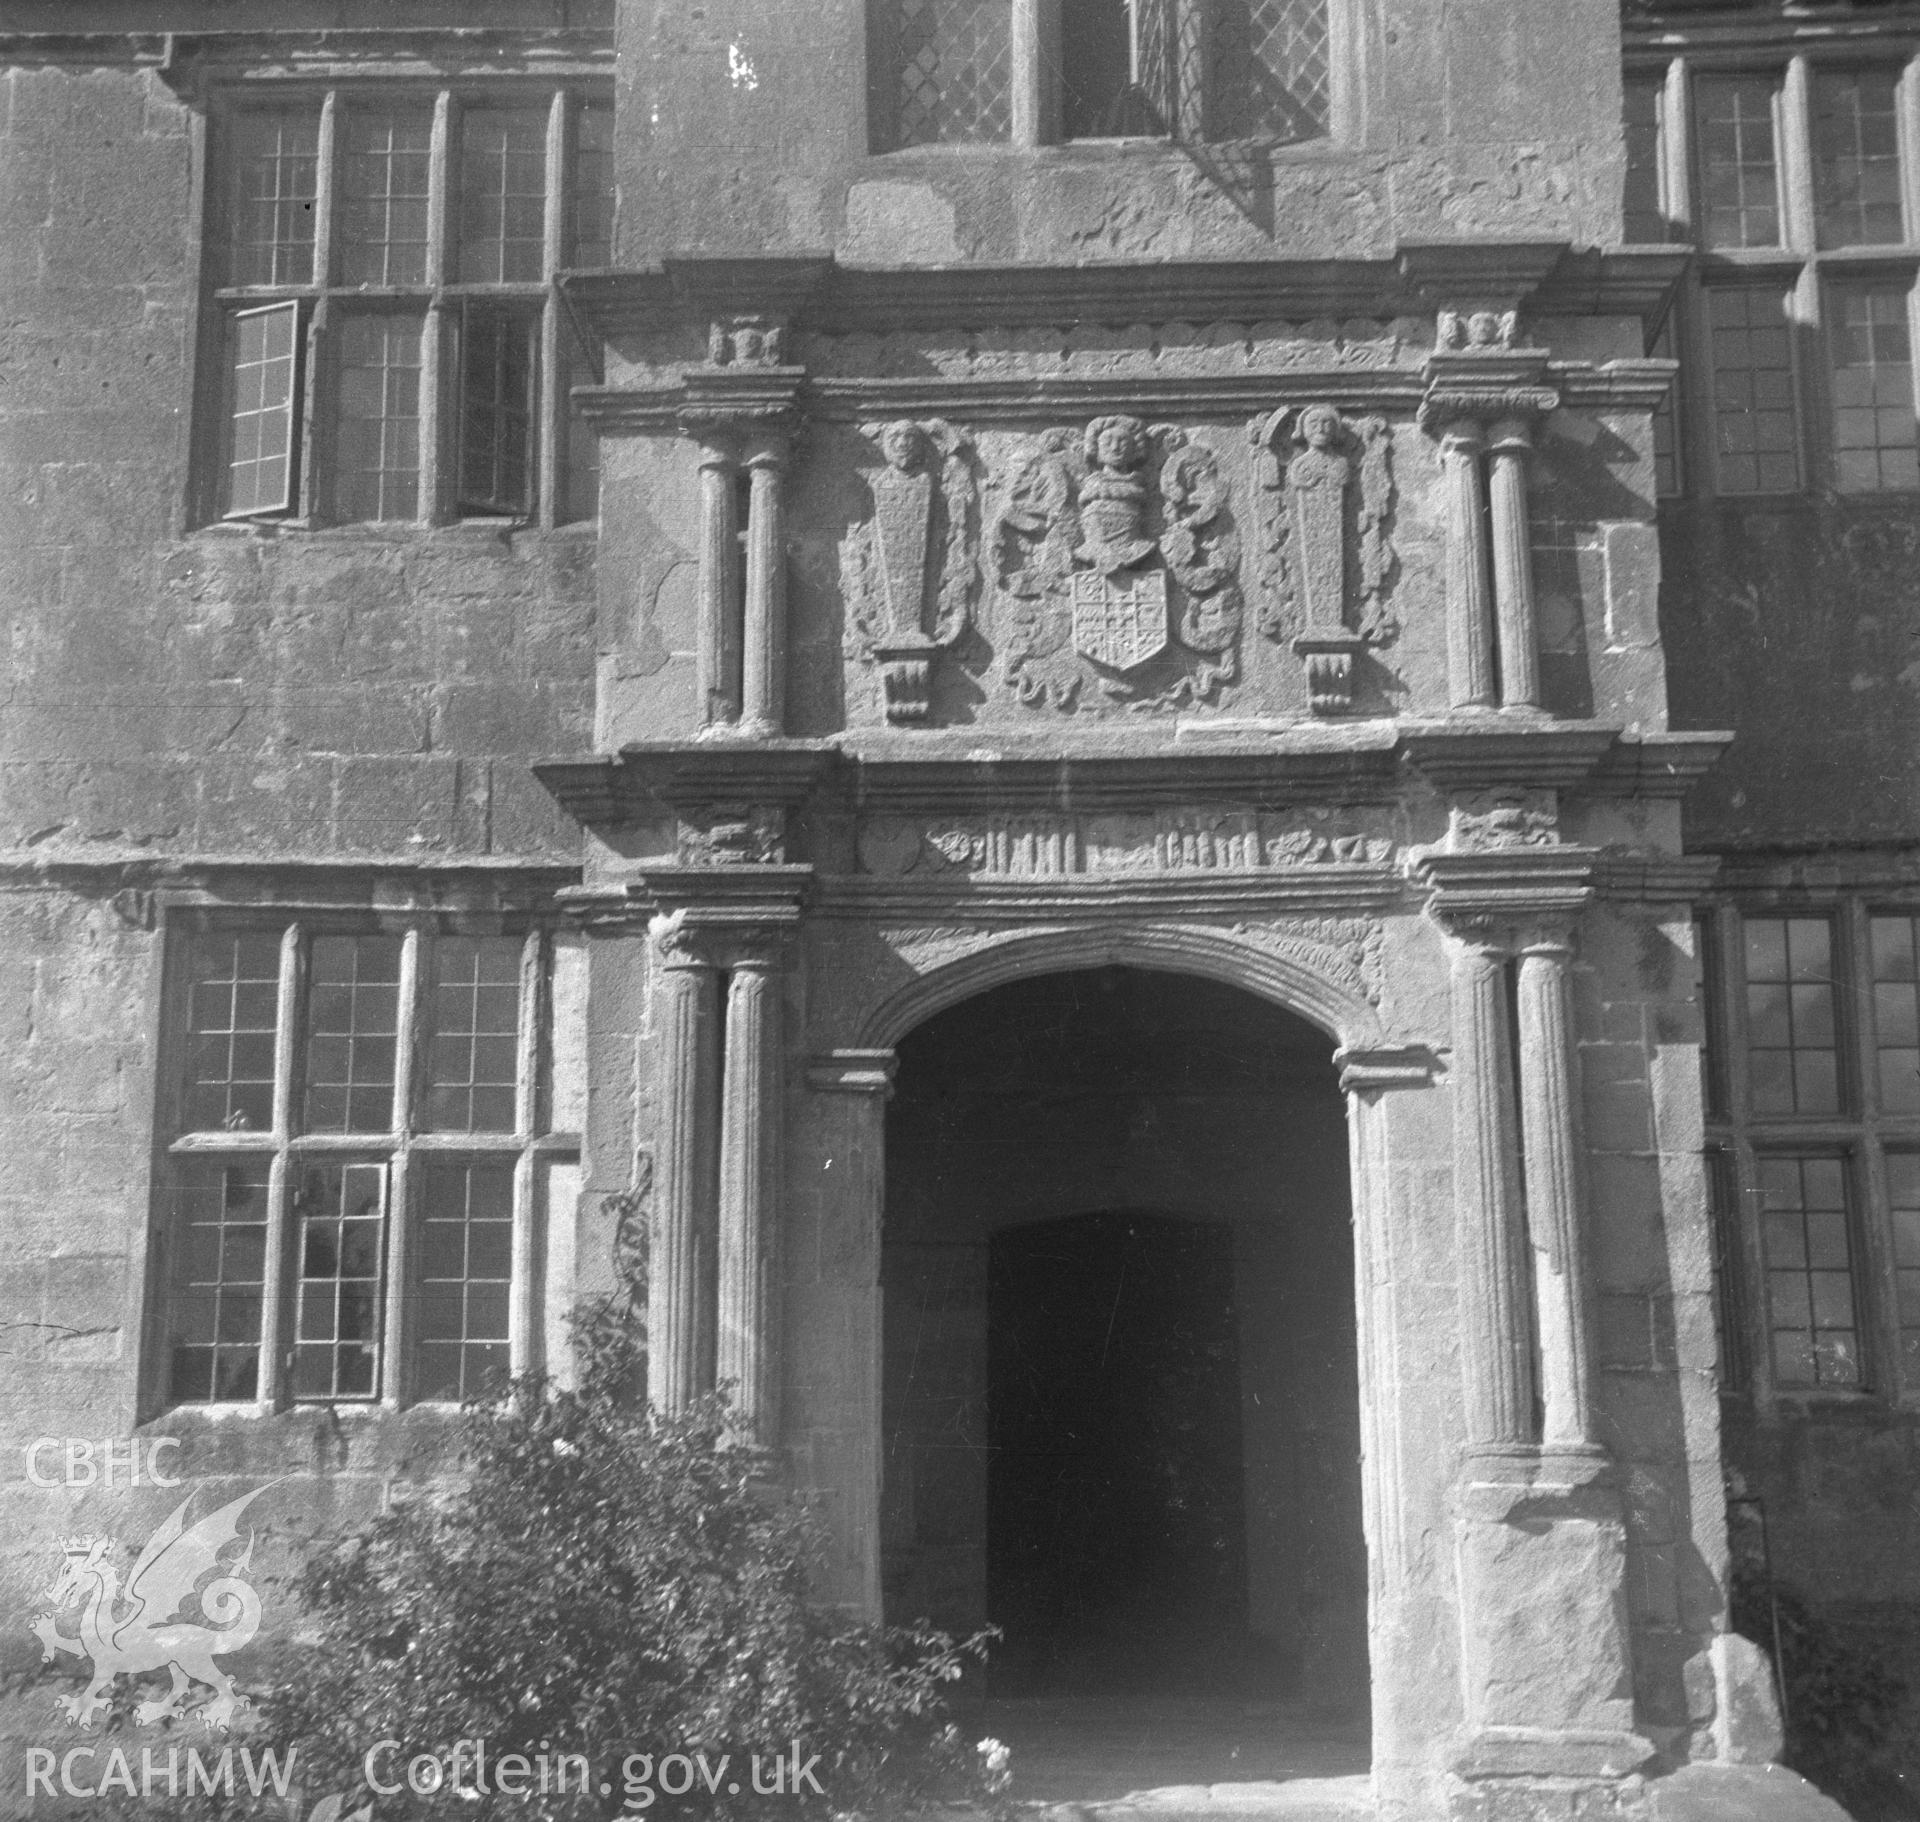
(263,409)
(382,264)
(1794,325)
(367,1125)
(1038,71)
(1813,1122)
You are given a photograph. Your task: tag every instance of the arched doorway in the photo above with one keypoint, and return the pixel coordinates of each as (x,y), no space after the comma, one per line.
(1120,1381)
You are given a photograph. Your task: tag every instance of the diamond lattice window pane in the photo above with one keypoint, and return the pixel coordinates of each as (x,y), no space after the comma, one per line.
(1271,74)
(954,70)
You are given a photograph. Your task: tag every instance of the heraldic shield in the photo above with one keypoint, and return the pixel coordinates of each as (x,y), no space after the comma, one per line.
(1120,621)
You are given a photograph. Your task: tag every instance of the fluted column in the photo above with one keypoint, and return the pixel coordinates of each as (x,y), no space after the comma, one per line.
(720,594)
(681,1255)
(1553,1187)
(1469,594)
(1511,442)
(764,668)
(751,1133)
(1498,1329)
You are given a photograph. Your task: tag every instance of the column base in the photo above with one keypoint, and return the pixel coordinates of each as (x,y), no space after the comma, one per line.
(1551,1752)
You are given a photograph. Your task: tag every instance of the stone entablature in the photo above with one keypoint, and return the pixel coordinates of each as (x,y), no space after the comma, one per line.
(1062,523)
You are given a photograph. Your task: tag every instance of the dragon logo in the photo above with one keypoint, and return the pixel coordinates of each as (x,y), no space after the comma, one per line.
(126,1632)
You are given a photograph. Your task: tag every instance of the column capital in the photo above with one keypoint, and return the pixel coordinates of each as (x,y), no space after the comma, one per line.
(1550,938)
(684,947)
(1511,435)
(1494,898)
(719,405)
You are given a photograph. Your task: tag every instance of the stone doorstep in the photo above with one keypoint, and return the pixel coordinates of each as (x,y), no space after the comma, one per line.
(1296,1800)
(1695,1793)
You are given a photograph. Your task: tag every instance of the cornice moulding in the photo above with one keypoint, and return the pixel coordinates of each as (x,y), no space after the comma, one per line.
(1655,878)
(813,291)
(1496,751)
(970,769)
(1040,398)
(1274,891)
(1666,764)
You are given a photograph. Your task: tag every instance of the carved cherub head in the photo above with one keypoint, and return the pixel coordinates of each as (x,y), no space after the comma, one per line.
(1115,443)
(903,443)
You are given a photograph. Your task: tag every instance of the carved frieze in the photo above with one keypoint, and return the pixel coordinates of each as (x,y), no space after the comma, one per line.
(913,568)
(1117,560)
(1116,846)
(723,835)
(1482,821)
(1327,557)
(746,341)
(1476,331)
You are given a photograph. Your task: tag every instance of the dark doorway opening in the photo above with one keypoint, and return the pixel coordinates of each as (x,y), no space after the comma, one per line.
(1116,1539)
(1120,1384)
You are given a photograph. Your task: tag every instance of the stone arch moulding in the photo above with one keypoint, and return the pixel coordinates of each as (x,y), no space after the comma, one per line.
(1351,1022)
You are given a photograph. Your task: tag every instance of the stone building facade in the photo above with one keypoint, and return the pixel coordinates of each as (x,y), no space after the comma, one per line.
(1077,635)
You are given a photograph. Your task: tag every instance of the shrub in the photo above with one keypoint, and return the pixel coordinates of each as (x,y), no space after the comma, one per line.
(1850,1725)
(607,1582)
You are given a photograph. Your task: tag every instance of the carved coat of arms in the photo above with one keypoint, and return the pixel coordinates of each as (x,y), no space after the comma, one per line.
(914,567)
(1117,557)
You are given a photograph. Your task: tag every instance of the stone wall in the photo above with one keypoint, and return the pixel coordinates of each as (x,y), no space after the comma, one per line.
(747,136)
(176,696)
(1799,628)
(230,690)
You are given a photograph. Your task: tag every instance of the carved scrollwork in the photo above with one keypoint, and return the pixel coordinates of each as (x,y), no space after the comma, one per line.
(914,567)
(1327,556)
(1117,558)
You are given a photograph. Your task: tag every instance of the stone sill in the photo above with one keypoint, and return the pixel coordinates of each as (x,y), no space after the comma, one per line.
(507,533)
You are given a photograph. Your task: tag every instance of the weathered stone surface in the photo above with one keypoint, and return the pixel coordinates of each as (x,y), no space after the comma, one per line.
(1739,1793)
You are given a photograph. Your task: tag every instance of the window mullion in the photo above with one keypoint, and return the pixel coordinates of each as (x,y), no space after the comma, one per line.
(1906,114)
(407,1050)
(280,1264)
(440,339)
(315,372)
(1676,140)
(1793,135)
(522,1302)
(1035,91)
(536,1012)
(550,405)
(1806,318)
(325,189)
(534,1015)
(1873,1274)
(1798,231)
(1746,1254)
(1878,1290)
(402,1192)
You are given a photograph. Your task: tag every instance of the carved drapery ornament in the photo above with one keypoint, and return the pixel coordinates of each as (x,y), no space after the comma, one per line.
(1329,558)
(1118,561)
(915,565)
